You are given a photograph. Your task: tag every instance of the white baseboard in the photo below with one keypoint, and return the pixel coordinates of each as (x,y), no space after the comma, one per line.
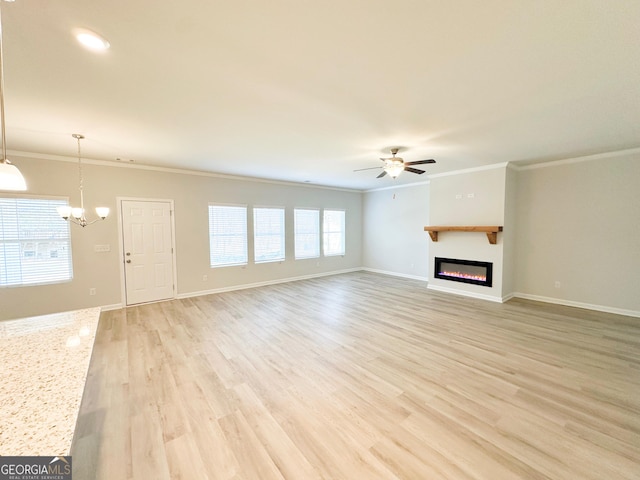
(570,303)
(395,274)
(115,306)
(264,284)
(480,296)
(506,298)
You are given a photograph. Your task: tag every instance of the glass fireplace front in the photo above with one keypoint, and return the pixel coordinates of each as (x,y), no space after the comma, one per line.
(465,271)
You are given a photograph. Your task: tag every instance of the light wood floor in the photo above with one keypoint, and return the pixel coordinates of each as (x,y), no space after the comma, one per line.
(360,376)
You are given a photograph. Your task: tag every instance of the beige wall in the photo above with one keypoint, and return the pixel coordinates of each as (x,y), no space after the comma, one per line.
(571,229)
(191,195)
(575,222)
(579,224)
(394,240)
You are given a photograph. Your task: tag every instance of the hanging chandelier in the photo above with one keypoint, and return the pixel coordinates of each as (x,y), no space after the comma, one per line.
(10,176)
(76,215)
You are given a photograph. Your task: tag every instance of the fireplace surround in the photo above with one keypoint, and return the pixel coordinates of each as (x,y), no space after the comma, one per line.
(465,271)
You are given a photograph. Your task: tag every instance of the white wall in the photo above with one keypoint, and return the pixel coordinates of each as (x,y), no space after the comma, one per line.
(509,235)
(579,224)
(191,195)
(466,199)
(394,240)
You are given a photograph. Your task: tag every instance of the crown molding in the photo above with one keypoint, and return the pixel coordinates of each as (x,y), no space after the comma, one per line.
(395,187)
(493,166)
(180,171)
(583,158)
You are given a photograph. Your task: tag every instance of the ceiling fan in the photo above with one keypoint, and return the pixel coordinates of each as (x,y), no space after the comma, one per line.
(394,166)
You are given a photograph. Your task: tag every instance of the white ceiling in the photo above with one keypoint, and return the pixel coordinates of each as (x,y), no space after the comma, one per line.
(302,90)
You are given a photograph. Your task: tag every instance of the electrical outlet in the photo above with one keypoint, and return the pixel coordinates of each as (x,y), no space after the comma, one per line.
(92,291)
(557,284)
(204,278)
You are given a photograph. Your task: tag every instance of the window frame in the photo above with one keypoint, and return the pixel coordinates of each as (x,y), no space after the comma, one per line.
(317,233)
(281,236)
(65,273)
(342,232)
(245,244)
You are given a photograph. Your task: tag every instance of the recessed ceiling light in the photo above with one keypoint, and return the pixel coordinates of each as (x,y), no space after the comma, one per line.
(91,40)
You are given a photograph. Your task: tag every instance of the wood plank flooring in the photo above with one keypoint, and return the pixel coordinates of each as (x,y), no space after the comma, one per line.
(360,376)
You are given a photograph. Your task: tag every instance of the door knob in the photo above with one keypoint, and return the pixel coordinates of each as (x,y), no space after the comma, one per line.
(128,261)
(128,253)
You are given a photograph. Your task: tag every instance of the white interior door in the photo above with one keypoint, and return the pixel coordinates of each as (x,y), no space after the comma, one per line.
(148,250)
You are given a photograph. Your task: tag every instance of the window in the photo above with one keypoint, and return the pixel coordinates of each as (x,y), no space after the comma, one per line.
(35,243)
(333,232)
(307,233)
(227,235)
(268,234)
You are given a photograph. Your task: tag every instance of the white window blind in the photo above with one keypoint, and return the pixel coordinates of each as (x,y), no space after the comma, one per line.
(35,243)
(227,235)
(333,232)
(268,234)
(307,233)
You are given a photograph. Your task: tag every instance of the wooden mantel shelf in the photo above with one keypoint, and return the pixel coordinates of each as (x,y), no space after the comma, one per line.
(492,231)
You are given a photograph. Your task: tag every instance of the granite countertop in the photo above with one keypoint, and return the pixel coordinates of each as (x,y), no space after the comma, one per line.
(43,364)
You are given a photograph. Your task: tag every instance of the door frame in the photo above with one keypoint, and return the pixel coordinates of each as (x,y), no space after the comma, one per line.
(123,287)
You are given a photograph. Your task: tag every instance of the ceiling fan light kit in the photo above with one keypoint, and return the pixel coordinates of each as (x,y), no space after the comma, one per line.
(394,166)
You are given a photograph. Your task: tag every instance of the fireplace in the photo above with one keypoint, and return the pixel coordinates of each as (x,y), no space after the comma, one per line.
(465,271)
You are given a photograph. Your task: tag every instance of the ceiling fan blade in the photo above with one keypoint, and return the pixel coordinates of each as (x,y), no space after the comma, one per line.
(384,172)
(420,162)
(413,170)
(370,168)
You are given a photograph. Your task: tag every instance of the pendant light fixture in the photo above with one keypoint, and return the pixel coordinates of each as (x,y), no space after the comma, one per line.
(76,215)
(10,176)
